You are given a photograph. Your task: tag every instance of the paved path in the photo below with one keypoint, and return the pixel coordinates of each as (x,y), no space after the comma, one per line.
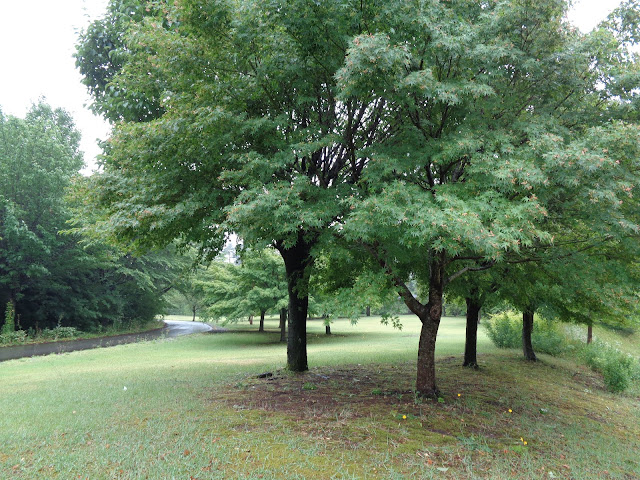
(175,328)
(172,328)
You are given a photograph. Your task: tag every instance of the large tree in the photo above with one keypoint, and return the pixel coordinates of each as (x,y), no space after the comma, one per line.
(507,108)
(249,134)
(38,157)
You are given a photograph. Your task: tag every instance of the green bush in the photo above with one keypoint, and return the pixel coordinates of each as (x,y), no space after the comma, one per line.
(9,319)
(547,338)
(13,338)
(505,331)
(617,368)
(616,376)
(58,333)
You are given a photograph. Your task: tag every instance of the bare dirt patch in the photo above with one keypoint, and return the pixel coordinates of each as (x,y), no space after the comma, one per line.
(353,391)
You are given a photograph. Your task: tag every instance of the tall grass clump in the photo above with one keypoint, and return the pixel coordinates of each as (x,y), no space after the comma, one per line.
(9,319)
(505,331)
(618,369)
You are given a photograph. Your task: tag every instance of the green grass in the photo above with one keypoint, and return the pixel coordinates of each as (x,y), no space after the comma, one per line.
(193,408)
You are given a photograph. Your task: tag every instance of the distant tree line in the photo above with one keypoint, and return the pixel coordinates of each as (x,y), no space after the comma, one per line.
(50,278)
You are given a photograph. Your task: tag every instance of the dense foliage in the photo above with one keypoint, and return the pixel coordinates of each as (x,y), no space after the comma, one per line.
(48,279)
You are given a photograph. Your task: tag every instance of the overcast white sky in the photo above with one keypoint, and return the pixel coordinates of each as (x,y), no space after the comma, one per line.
(37,40)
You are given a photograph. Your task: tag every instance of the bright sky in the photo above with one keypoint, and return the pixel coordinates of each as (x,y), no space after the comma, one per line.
(38,39)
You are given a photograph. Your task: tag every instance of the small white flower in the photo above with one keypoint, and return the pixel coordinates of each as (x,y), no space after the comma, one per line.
(125,389)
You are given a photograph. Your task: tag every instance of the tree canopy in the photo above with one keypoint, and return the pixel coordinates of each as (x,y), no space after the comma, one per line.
(47,277)
(433,138)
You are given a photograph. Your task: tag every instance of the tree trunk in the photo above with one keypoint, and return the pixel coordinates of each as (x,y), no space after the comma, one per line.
(261,328)
(297,260)
(426,375)
(250,319)
(430,317)
(589,333)
(471,339)
(527,330)
(283,324)
(327,329)
(193,309)
(368,311)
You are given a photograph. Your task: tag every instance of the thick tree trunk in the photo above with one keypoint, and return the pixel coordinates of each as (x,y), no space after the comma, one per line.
(261,328)
(283,324)
(368,311)
(297,260)
(471,339)
(527,331)
(589,333)
(430,317)
(426,375)
(327,329)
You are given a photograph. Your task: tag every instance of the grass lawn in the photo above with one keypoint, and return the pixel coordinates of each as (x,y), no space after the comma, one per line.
(193,408)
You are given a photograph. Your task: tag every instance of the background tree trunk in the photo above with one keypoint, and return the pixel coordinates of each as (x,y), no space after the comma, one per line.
(471,339)
(193,309)
(368,311)
(261,328)
(250,319)
(589,333)
(327,329)
(527,330)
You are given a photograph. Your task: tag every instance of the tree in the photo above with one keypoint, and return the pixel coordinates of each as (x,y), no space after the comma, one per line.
(256,286)
(506,108)
(38,155)
(47,277)
(249,135)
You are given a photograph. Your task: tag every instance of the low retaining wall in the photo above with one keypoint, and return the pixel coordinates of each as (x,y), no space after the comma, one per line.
(35,349)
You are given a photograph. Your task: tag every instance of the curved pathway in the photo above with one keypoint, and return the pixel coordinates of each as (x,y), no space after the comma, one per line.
(172,328)
(175,328)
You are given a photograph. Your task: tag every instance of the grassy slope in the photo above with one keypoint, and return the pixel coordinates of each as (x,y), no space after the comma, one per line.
(192,408)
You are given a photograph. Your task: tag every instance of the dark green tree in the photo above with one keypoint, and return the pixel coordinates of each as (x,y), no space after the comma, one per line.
(249,136)
(38,157)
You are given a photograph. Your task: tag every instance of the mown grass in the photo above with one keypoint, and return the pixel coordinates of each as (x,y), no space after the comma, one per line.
(193,408)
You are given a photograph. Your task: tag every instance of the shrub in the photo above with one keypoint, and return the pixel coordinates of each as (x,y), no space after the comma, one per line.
(617,368)
(9,319)
(58,332)
(547,338)
(505,331)
(13,338)
(617,376)
(66,332)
